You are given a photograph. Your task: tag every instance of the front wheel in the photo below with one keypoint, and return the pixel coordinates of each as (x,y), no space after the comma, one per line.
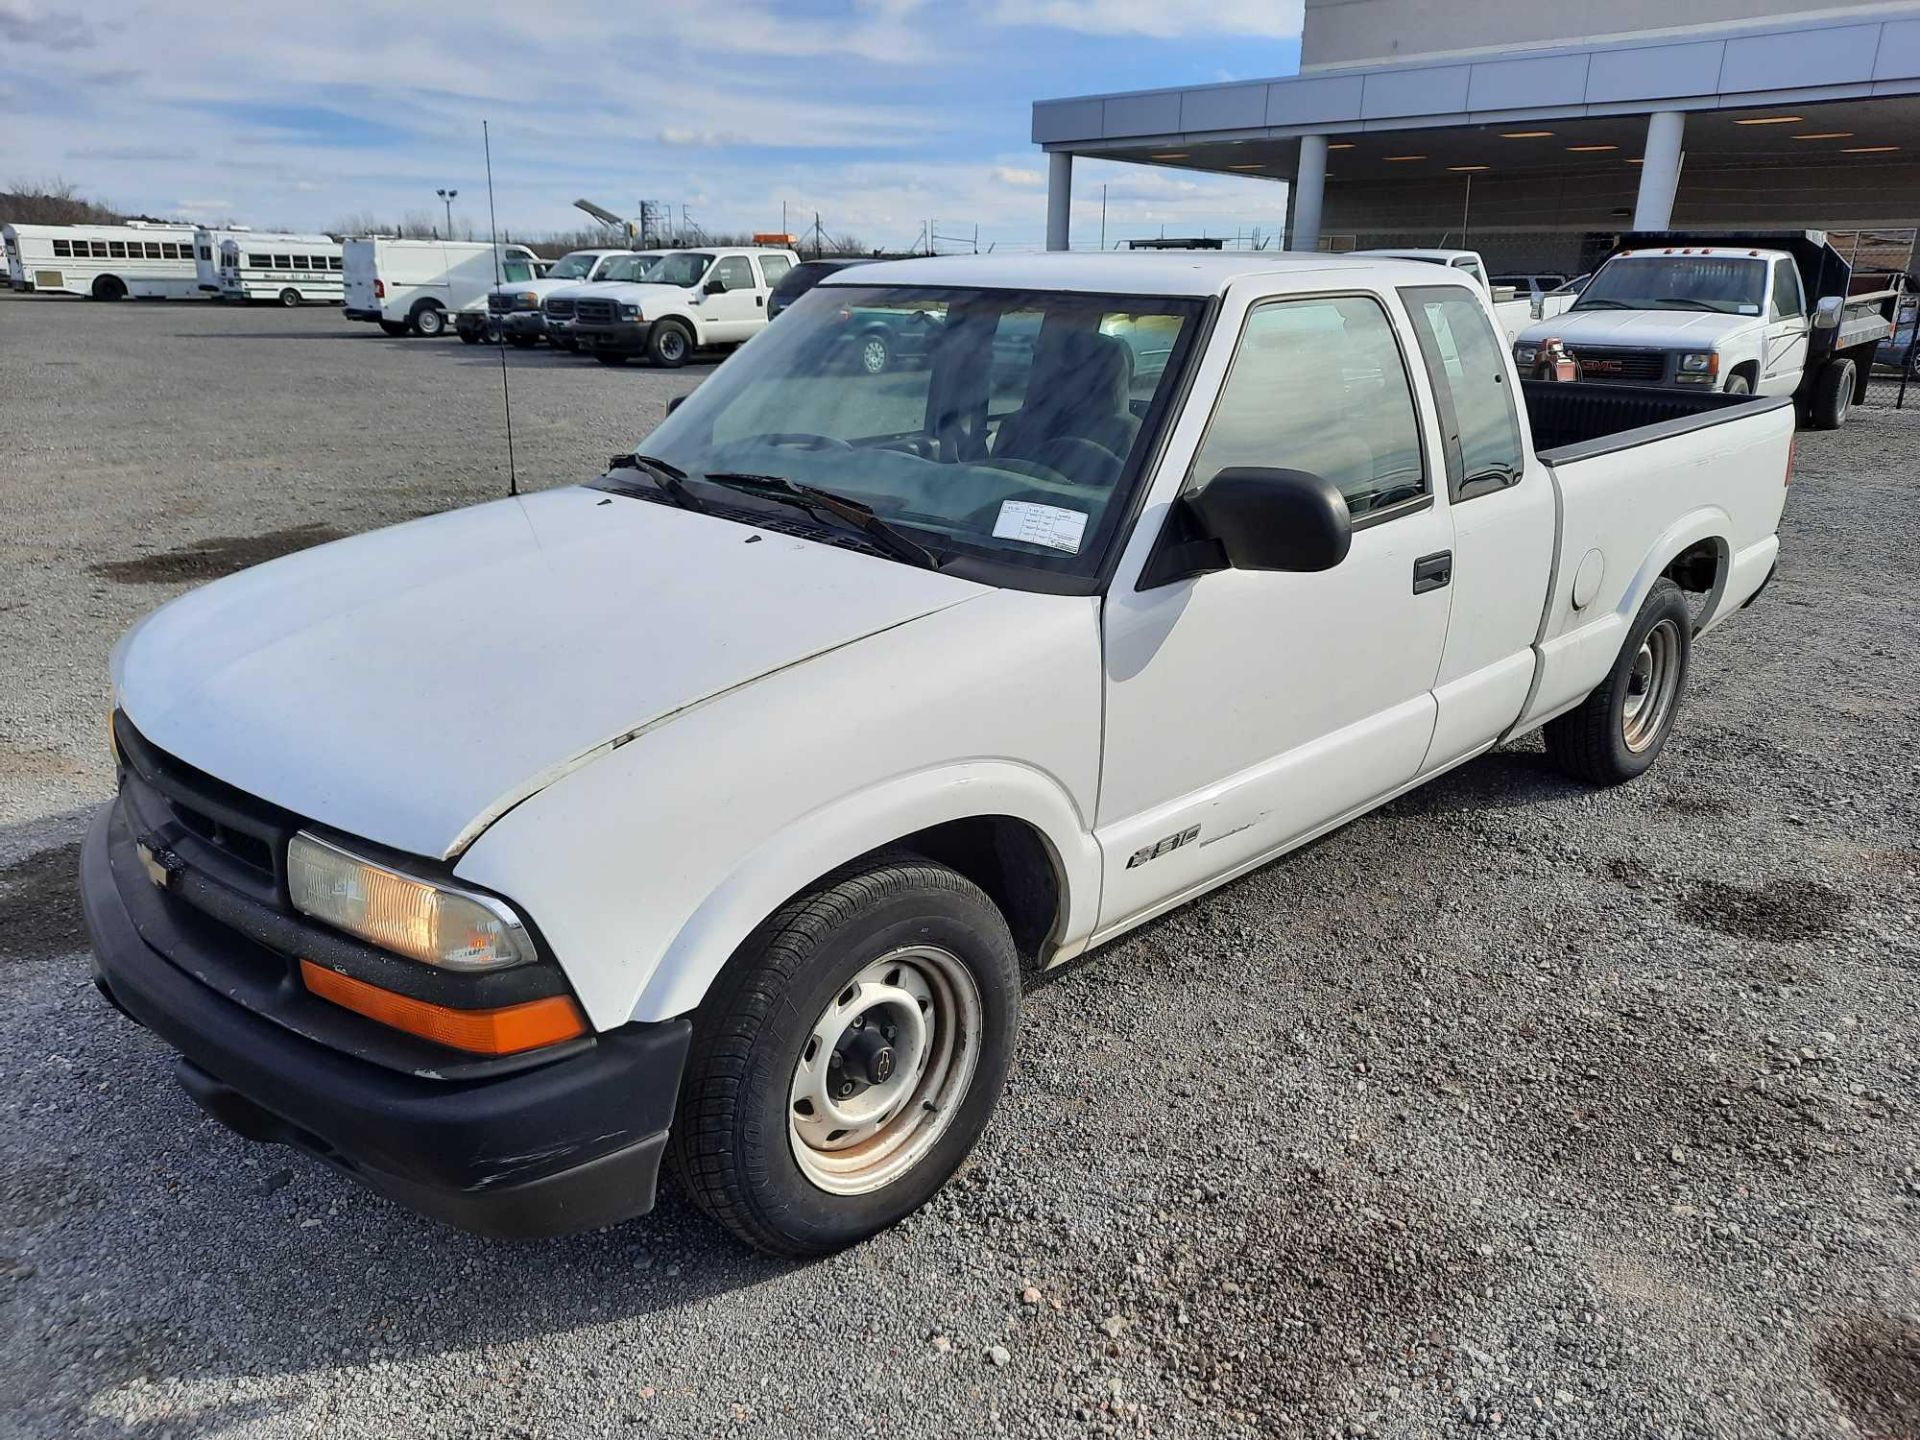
(1620,729)
(848,1057)
(395,328)
(610,357)
(1739,385)
(468,336)
(669,345)
(874,354)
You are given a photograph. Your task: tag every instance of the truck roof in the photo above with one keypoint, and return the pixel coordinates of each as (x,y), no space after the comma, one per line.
(1137,272)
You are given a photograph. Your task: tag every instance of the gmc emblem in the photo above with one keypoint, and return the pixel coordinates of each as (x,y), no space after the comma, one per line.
(1601,367)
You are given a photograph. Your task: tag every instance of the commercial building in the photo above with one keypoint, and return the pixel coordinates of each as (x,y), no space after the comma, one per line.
(1537,131)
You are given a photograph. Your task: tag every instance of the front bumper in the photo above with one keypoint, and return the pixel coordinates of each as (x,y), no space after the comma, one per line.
(520,322)
(624,337)
(569,1145)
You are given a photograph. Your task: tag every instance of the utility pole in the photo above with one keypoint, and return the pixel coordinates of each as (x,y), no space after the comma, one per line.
(1103,217)
(447,198)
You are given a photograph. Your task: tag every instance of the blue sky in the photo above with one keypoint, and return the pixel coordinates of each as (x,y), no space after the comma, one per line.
(881,114)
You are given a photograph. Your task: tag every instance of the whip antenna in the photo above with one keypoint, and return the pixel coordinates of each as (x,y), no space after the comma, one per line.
(500,342)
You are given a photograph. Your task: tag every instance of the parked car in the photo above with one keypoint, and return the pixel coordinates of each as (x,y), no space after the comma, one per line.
(515,310)
(1776,313)
(417,287)
(802,278)
(846,700)
(690,300)
(1514,309)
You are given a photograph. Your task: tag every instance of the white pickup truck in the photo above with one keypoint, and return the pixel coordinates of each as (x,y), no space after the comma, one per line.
(718,806)
(1512,310)
(516,310)
(691,300)
(1781,313)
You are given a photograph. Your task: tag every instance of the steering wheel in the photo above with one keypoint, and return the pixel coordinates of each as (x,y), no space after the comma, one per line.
(796,440)
(1079,461)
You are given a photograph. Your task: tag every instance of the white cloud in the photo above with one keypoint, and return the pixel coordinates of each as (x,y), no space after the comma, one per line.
(1019,176)
(1275,18)
(24,23)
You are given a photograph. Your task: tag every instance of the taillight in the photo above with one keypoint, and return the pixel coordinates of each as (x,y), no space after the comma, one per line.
(379,289)
(845,316)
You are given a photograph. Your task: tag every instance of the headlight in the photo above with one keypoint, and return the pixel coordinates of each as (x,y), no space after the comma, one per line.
(630,312)
(435,924)
(527,300)
(1525,355)
(1703,364)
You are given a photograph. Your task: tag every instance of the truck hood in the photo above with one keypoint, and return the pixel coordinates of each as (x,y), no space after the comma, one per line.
(413,684)
(1642,329)
(544,288)
(634,292)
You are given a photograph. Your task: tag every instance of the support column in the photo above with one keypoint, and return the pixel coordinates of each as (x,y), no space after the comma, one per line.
(1309,191)
(1660,170)
(1059,198)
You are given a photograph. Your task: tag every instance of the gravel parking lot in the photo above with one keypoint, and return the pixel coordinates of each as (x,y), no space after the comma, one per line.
(1512,1107)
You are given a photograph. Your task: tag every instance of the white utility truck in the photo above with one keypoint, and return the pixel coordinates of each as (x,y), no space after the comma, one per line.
(922,680)
(690,300)
(1513,310)
(1763,314)
(416,287)
(514,310)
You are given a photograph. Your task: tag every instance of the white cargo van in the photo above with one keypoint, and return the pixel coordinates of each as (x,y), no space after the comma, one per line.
(413,287)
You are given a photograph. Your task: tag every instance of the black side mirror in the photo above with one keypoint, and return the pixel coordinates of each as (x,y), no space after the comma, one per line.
(715,287)
(1253,518)
(675,403)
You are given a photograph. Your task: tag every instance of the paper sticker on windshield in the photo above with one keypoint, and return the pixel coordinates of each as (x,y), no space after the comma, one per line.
(1047,525)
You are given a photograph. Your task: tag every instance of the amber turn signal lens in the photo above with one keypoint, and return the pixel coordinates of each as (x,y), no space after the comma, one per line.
(504,1031)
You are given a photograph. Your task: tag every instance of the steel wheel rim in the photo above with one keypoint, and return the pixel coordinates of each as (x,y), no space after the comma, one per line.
(1652,684)
(873,355)
(855,1144)
(672,347)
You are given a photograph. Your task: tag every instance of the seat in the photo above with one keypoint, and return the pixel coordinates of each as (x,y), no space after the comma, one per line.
(1079,390)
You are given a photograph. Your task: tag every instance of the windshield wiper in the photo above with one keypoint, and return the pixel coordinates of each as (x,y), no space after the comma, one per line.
(1678,302)
(819,502)
(671,479)
(1601,304)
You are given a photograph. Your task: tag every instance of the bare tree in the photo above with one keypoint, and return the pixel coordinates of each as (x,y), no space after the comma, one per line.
(52,202)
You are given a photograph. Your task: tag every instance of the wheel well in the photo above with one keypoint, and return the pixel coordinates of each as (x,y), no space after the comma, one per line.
(1748,368)
(1009,860)
(1697,568)
(427,304)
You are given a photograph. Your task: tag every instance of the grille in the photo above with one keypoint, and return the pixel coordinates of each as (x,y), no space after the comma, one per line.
(1599,363)
(560,309)
(594,312)
(499,304)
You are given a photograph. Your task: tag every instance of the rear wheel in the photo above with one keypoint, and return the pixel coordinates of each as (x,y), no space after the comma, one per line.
(669,344)
(874,354)
(1620,729)
(289,297)
(429,320)
(395,327)
(848,1057)
(109,287)
(1833,394)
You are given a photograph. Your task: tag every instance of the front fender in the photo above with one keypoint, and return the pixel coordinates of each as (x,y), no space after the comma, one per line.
(855,826)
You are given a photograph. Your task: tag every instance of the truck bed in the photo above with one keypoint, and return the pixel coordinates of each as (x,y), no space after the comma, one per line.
(1577,422)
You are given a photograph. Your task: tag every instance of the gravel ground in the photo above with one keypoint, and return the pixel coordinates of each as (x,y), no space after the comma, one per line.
(1512,1107)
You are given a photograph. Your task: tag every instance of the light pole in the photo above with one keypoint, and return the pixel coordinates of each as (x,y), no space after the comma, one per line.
(447,198)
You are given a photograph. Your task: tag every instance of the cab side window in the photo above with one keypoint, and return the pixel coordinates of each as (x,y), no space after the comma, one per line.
(1467,365)
(734,273)
(1786,292)
(1320,385)
(774,268)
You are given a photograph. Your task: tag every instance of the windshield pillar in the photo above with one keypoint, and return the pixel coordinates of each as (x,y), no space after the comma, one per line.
(1660,170)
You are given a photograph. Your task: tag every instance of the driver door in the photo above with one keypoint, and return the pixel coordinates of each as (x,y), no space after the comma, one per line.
(1787,333)
(1247,710)
(738,310)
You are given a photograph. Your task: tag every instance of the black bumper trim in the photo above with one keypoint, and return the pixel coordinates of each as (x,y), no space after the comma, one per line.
(627,338)
(566,1146)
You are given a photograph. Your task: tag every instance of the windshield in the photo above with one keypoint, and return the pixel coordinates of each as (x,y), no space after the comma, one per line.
(1677,282)
(1004,426)
(628,267)
(683,268)
(576,266)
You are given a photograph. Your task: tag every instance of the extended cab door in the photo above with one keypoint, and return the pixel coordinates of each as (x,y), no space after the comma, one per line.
(1502,505)
(1785,350)
(1248,709)
(733,303)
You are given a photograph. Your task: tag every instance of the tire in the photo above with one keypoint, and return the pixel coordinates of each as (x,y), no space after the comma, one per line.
(524,342)
(1832,395)
(395,328)
(289,297)
(873,355)
(469,337)
(429,321)
(899,927)
(669,344)
(109,287)
(611,357)
(1614,736)
(1739,385)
